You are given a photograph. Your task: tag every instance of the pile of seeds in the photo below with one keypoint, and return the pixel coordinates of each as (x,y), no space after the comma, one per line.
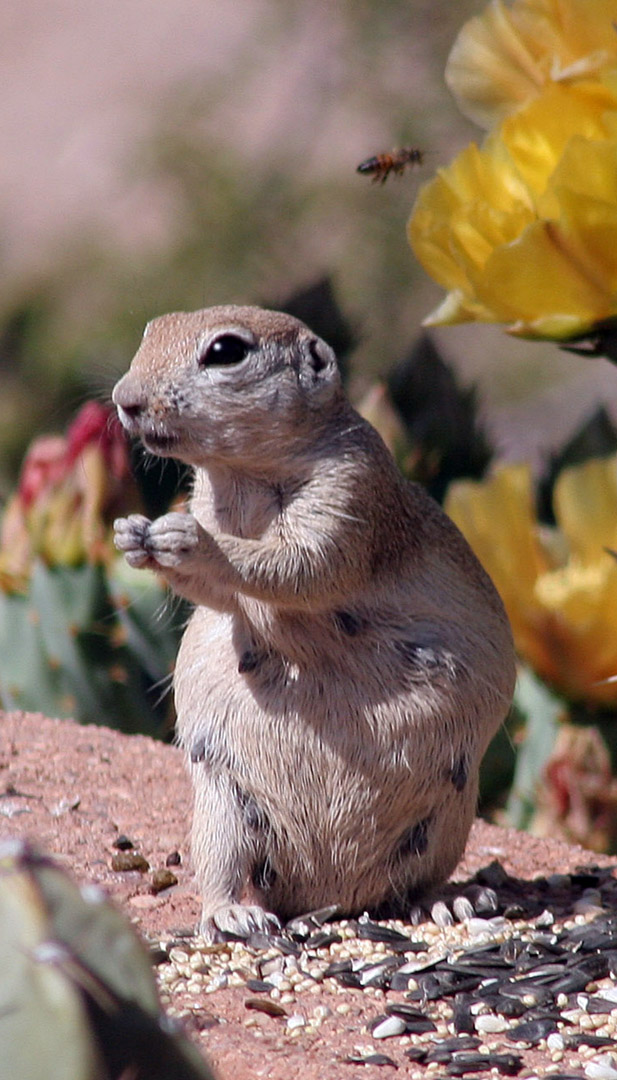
(459,1000)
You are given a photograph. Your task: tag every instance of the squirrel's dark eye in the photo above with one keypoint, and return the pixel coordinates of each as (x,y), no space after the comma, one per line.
(224,350)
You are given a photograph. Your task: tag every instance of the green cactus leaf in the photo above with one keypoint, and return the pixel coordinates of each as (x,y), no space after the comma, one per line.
(28,680)
(70,602)
(78,997)
(542,711)
(150,618)
(43,1029)
(90,644)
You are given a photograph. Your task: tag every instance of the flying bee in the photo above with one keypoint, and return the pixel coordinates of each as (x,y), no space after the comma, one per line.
(380,166)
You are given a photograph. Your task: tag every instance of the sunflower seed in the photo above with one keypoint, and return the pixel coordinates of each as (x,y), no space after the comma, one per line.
(334,970)
(468,1063)
(601,1068)
(532,1031)
(536,995)
(349,979)
(598,1004)
(323,939)
(258,986)
(417,1054)
(401,1008)
(462,1020)
(372,931)
(586,1038)
(386,1027)
(303,925)
(265,1005)
(508,1064)
(370,1059)
(489,1024)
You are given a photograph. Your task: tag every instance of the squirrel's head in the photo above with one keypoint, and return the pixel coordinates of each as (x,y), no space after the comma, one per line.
(238,385)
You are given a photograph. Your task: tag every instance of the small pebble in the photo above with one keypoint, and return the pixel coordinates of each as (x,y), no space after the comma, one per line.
(122,843)
(296,1021)
(129,860)
(162,879)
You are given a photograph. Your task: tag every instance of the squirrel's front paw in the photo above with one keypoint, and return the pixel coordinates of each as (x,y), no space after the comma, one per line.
(166,542)
(130,537)
(172,539)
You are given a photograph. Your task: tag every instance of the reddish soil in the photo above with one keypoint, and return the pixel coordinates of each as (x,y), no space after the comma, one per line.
(74,790)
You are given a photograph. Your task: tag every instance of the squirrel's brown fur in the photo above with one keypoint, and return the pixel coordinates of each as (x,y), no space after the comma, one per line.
(348,659)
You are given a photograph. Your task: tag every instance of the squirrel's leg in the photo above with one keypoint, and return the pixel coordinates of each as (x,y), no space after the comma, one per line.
(226,856)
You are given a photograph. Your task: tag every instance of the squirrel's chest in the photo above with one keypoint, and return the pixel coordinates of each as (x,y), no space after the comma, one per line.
(252,512)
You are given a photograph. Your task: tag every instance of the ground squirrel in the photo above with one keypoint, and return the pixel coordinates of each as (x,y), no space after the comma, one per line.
(347,661)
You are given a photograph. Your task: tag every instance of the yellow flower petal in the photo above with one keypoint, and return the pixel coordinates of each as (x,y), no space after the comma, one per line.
(585,503)
(560,595)
(537,135)
(524,230)
(538,286)
(516,559)
(585,186)
(456,308)
(581,600)
(506,56)
(475,204)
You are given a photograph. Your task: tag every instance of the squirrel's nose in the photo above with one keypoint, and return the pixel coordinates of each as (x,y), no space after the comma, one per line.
(128,397)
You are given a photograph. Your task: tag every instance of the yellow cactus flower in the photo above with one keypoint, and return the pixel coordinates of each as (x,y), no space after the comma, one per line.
(559,585)
(506,56)
(523,231)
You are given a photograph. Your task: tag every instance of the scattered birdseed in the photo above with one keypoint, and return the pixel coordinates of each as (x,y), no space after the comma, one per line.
(370,1059)
(450,999)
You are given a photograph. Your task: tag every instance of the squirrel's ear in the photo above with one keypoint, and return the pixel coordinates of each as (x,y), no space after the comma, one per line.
(319,370)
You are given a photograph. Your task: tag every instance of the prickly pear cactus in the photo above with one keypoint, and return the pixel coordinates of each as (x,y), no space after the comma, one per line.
(78,997)
(80,633)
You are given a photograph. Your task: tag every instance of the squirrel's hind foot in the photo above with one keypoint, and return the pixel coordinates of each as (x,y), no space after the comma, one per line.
(237,921)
